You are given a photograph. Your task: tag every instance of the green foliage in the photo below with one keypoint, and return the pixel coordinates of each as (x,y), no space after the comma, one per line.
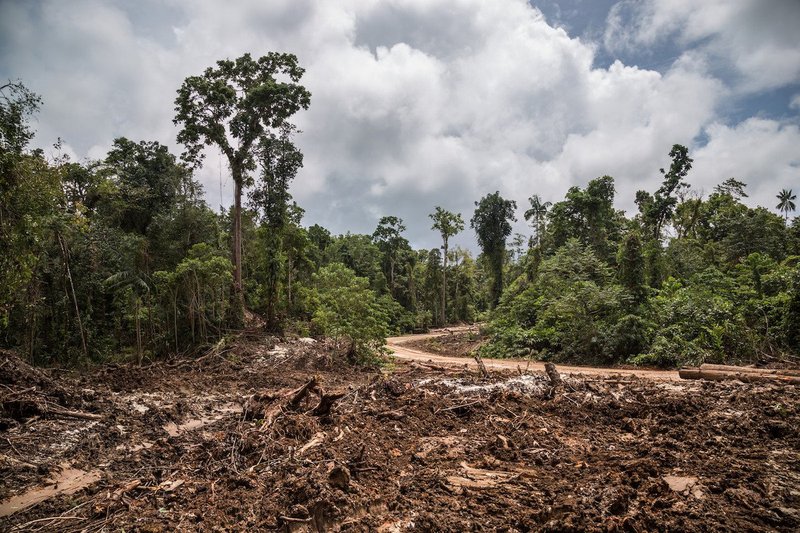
(570,309)
(492,224)
(791,320)
(122,258)
(388,236)
(631,269)
(448,224)
(346,309)
(657,209)
(146,180)
(589,216)
(536,216)
(17,103)
(241,99)
(238,107)
(786,202)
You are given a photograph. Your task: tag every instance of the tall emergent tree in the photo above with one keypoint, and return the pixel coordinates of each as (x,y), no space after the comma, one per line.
(491,224)
(785,202)
(631,268)
(280,161)
(388,236)
(233,107)
(657,209)
(449,224)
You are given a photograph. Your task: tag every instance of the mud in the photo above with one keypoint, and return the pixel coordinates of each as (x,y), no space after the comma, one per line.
(460,342)
(180,446)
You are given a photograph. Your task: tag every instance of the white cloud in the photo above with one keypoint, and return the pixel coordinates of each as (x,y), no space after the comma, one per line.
(757,39)
(414,103)
(762,153)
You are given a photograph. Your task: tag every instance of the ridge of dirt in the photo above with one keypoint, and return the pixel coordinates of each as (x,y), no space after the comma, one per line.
(243,441)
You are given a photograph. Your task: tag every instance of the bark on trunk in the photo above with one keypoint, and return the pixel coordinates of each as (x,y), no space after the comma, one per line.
(444,284)
(237,312)
(65,253)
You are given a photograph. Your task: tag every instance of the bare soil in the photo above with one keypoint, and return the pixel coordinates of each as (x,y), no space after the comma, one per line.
(461,342)
(455,347)
(241,440)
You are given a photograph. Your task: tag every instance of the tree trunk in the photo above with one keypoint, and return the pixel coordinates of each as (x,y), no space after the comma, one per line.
(457,303)
(391,276)
(497,283)
(237,304)
(289,282)
(138,329)
(175,317)
(65,253)
(444,284)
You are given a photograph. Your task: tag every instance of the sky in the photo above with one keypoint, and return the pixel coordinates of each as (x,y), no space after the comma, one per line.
(419,103)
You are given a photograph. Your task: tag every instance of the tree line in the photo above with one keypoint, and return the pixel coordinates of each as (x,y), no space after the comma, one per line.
(121,258)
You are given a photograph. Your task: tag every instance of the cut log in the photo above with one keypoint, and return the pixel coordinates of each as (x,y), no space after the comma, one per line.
(746,377)
(751,370)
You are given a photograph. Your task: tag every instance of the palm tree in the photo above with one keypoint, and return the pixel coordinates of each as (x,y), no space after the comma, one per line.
(537,212)
(786,204)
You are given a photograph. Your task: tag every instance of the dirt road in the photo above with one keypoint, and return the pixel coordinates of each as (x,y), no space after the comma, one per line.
(401,351)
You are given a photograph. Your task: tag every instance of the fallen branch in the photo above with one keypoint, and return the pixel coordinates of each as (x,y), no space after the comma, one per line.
(60,411)
(298,394)
(392,415)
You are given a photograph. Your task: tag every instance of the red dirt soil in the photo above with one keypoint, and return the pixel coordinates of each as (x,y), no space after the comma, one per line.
(218,444)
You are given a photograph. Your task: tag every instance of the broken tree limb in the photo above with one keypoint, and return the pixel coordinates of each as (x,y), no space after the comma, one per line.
(552,374)
(268,406)
(326,402)
(746,377)
(60,411)
(298,394)
(481,366)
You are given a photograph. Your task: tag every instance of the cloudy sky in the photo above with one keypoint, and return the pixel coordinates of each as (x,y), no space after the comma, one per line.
(418,103)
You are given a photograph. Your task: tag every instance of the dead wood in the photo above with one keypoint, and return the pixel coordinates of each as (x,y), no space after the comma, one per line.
(552,373)
(481,366)
(746,377)
(268,406)
(60,411)
(751,370)
(326,402)
(298,394)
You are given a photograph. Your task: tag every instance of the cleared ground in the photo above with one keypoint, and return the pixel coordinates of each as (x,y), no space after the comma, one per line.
(244,440)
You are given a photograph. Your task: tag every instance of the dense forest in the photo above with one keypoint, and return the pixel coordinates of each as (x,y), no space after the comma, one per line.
(122,258)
